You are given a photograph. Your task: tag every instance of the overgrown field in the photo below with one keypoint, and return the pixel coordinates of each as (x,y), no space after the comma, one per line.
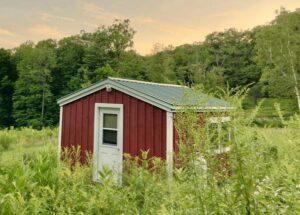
(268,114)
(263,163)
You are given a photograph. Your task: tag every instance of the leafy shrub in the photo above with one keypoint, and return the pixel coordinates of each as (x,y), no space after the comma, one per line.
(264,164)
(6,140)
(267,115)
(273,122)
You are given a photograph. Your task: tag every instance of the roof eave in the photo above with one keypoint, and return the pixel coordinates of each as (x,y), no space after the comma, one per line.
(109,82)
(81,93)
(134,93)
(199,108)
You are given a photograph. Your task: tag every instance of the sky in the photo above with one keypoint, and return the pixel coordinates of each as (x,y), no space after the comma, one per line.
(168,22)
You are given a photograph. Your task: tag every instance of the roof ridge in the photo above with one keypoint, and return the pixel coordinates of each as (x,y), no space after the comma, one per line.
(146,82)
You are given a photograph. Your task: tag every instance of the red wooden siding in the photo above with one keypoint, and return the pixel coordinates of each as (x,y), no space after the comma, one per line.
(144,125)
(175,134)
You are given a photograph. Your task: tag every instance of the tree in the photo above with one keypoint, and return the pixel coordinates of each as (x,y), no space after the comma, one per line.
(278,54)
(160,67)
(130,65)
(70,53)
(80,80)
(121,36)
(187,67)
(233,51)
(32,91)
(106,45)
(8,76)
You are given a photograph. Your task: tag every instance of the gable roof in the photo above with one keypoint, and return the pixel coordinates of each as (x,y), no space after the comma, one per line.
(165,96)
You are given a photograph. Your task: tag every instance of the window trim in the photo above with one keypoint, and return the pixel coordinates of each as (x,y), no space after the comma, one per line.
(219,121)
(114,111)
(96,155)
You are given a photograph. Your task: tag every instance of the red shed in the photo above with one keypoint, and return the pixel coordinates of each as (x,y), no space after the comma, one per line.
(118,116)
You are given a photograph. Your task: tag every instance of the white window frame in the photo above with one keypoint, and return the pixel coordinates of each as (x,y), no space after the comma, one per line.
(219,121)
(97,121)
(102,128)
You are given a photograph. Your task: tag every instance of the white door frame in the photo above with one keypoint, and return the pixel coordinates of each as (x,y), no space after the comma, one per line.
(96,155)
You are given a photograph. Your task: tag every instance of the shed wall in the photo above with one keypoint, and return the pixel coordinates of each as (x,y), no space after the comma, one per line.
(176,139)
(144,124)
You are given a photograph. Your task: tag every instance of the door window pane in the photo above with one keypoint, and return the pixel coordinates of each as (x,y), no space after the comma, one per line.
(109,137)
(110,120)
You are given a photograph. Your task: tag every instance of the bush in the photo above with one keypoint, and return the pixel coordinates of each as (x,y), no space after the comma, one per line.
(264,175)
(267,115)
(6,140)
(273,122)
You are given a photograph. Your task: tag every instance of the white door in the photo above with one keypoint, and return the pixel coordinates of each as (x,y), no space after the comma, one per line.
(109,140)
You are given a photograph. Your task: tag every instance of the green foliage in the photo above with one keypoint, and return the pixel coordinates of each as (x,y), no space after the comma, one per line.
(107,43)
(49,69)
(287,106)
(268,112)
(277,53)
(5,141)
(265,58)
(259,175)
(159,68)
(70,53)
(231,50)
(102,73)
(24,138)
(33,98)
(8,76)
(131,65)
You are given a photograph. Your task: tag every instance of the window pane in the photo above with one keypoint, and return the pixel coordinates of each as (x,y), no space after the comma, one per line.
(110,120)
(219,134)
(109,137)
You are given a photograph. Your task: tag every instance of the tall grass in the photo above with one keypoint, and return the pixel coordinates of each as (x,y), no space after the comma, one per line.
(260,174)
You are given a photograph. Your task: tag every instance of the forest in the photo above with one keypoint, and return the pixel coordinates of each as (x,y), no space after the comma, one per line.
(265,59)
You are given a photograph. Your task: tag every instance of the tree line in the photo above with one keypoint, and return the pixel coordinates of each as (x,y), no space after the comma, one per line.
(33,76)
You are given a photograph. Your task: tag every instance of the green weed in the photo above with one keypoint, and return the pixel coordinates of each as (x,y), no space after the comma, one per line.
(258,175)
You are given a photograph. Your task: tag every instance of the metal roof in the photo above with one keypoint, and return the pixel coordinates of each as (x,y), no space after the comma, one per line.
(166,96)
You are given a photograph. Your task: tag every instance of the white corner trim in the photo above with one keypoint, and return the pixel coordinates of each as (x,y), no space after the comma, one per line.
(60,131)
(169,143)
(219,119)
(96,133)
(95,145)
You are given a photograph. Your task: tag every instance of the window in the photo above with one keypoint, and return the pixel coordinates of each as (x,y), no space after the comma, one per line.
(219,134)
(110,129)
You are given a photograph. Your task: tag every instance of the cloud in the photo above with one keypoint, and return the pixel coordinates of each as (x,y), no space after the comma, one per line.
(5,32)
(48,17)
(46,31)
(98,12)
